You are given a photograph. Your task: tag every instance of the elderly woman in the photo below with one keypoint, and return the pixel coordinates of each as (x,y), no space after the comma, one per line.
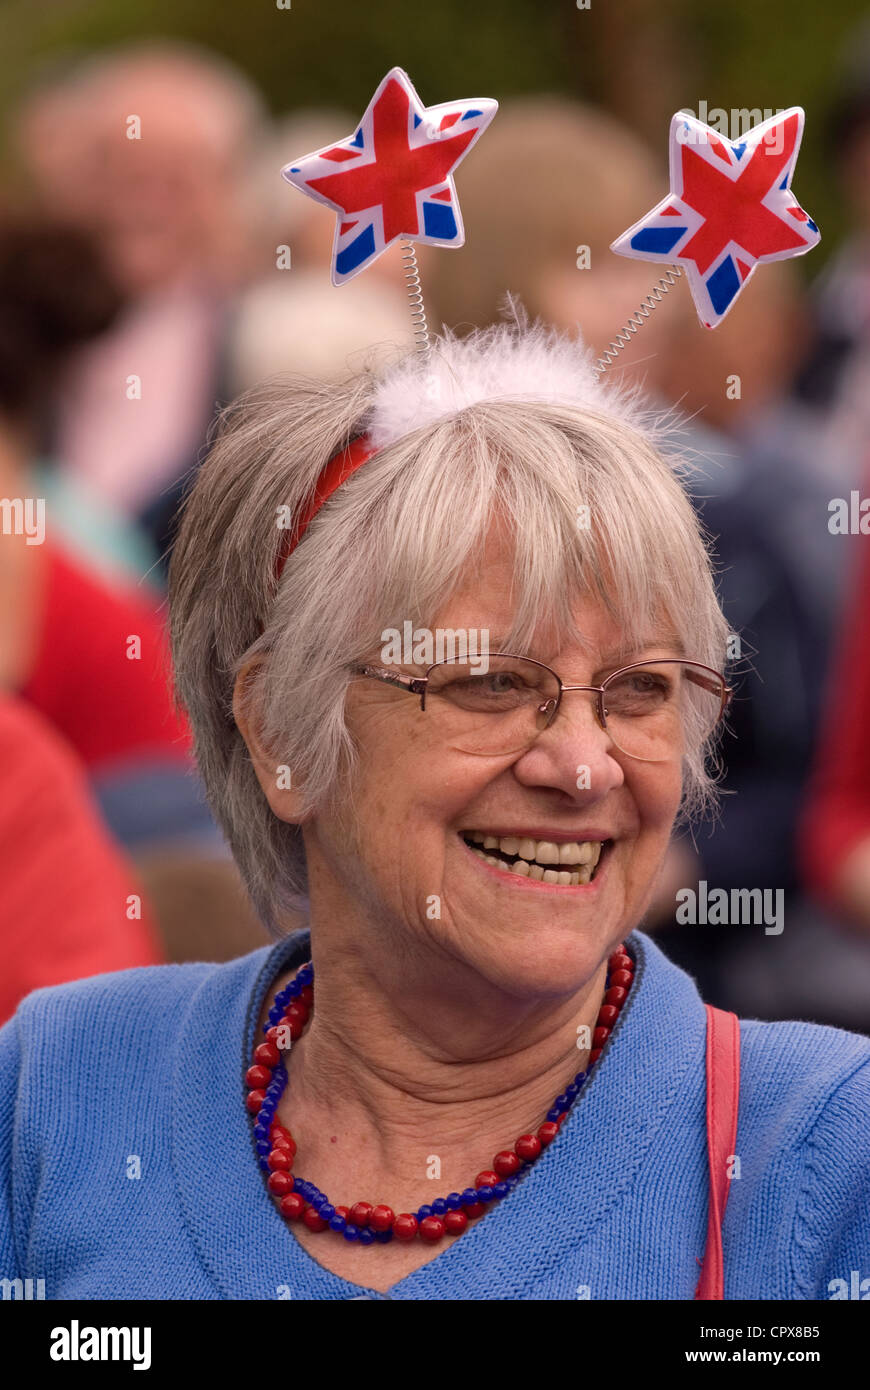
(451,649)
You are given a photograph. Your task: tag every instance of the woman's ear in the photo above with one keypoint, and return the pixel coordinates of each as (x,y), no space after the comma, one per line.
(281,786)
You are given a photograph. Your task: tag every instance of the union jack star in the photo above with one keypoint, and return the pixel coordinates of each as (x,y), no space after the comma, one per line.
(395,174)
(729,208)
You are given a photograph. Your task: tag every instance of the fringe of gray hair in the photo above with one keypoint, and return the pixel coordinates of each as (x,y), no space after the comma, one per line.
(391,545)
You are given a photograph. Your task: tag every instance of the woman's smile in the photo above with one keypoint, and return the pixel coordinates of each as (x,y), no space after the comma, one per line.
(547,865)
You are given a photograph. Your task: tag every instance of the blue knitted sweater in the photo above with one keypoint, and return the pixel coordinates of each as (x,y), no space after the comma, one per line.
(127,1167)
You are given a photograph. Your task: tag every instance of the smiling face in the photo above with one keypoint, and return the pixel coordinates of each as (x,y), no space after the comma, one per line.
(417,802)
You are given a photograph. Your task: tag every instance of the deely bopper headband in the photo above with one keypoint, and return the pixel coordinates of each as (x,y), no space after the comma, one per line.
(729,208)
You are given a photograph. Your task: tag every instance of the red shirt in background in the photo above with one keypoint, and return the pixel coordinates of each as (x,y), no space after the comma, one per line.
(66,886)
(108,706)
(837,814)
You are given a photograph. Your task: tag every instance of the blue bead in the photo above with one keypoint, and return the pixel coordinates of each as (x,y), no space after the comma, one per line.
(501,1189)
(484,1194)
(366,1237)
(563,1101)
(325,1207)
(264,1167)
(439,1207)
(261,1130)
(553,1115)
(383,1237)
(336,1222)
(453,1200)
(572,1091)
(580,1078)
(263,1147)
(423,1212)
(512,1181)
(350,1232)
(469,1195)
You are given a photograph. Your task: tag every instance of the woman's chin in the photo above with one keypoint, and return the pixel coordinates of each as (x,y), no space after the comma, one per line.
(552,960)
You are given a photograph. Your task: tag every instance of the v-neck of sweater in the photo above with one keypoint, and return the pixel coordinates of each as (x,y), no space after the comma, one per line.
(646,1070)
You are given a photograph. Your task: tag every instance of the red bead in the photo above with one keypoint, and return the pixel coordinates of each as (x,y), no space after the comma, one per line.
(475,1209)
(431,1228)
(486,1179)
(286,1145)
(280,1184)
(455,1222)
(281,1137)
(267,1055)
(292,1206)
(258,1077)
(313,1220)
(294,1026)
(280,1160)
(621,977)
(381,1218)
(343,1211)
(528,1146)
(547,1132)
(306,995)
(360,1213)
(593,1056)
(599,1037)
(254,1101)
(607,1015)
(616,995)
(405,1227)
(296,1011)
(505,1164)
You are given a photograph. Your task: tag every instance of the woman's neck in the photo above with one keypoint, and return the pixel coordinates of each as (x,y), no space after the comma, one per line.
(409,1093)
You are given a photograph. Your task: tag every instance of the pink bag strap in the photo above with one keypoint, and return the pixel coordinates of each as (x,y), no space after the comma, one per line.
(723,1098)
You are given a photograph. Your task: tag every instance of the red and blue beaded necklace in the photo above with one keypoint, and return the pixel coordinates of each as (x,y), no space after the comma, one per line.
(364,1223)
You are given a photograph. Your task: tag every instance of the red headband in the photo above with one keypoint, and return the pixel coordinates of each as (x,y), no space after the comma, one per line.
(339,468)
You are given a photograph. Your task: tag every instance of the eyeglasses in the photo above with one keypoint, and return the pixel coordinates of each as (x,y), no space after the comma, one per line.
(647,709)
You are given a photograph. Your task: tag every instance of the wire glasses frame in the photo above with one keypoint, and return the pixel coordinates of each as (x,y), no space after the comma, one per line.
(706,677)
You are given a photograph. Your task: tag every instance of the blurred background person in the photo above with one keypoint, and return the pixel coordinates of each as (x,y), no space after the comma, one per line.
(71,904)
(835,830)
(148,149)
(554,183)
(84,648)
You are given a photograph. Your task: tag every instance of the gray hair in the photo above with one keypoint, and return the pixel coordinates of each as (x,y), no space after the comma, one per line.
(392,544)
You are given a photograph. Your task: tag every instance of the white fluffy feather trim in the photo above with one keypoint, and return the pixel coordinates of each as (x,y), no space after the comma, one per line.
(510,361)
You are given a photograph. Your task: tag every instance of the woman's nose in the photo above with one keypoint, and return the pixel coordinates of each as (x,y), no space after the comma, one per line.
(574,752)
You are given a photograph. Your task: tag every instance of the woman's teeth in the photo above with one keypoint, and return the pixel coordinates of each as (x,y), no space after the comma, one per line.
(542,860)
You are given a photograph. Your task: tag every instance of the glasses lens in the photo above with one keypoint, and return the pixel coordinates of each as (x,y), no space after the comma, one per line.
(652,708)
(497,705)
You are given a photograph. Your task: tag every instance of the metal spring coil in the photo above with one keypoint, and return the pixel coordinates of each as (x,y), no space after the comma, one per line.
(415,298)
(636,321)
